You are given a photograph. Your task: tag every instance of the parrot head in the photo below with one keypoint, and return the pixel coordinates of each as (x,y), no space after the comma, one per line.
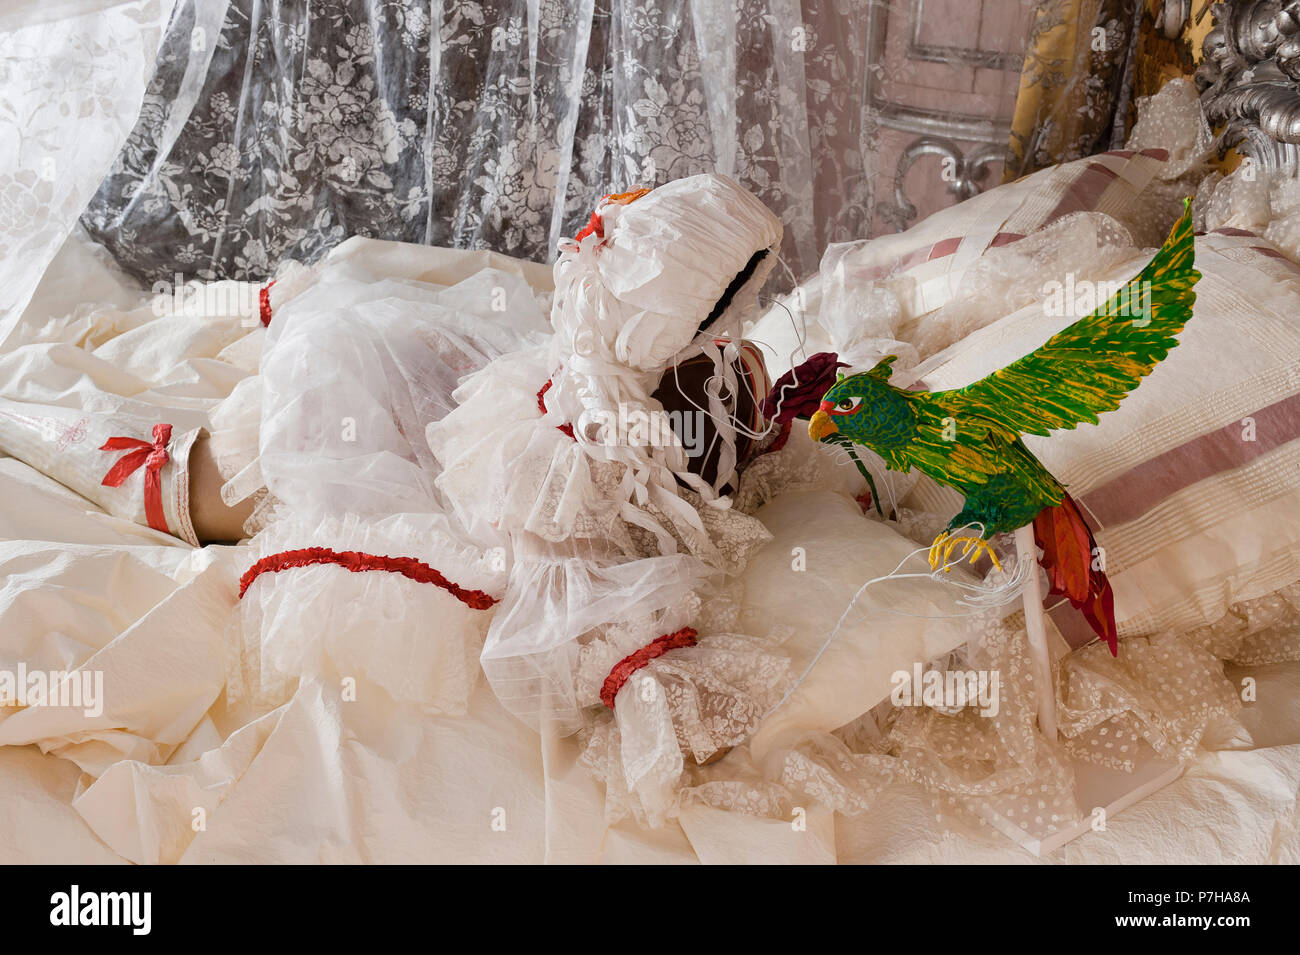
(864,409)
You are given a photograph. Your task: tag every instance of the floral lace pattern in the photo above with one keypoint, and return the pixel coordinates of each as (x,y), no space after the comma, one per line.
(273,131)
(692,704)
(92,67)
(775,471)
(1161,695)
(1085,66)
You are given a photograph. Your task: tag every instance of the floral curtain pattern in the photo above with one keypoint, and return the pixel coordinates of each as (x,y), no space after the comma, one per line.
(1086,64)
(70,81)
(273,129)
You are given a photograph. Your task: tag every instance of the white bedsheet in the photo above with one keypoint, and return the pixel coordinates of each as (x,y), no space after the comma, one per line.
(167,774)
(368,782)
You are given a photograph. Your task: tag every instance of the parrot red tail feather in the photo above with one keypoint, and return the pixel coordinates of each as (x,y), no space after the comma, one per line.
(1068,555)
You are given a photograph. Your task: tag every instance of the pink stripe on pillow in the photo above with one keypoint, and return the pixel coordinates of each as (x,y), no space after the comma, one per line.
(1005,238)
(1274,254)
(940,249)
(944,247)
(1267,251)
(1084,193)
(1135,492)
(915,257)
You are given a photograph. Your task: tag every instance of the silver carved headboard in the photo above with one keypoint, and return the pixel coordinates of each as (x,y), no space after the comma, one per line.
(1250,81)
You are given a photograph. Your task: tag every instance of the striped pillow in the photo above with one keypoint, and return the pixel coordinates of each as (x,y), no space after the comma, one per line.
(1193,483)
(924,266)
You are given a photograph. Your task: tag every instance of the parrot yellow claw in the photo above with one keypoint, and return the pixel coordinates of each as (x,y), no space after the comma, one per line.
(943,546)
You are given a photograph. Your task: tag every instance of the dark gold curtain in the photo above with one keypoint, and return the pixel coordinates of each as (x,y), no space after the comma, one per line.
(1086,64)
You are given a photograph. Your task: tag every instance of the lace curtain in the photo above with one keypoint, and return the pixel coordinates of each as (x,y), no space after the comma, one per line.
(72,73)
(276,128)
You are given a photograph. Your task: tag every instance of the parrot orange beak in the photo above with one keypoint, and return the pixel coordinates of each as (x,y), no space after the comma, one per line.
(821,426)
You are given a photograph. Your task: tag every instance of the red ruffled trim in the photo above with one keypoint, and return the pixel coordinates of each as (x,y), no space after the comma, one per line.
(264,302)
(541,406)
(656,648)
(357,562)
(594,224)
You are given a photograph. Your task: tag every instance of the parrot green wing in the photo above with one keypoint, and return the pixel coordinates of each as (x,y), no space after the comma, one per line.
(968,451)
(1088,368)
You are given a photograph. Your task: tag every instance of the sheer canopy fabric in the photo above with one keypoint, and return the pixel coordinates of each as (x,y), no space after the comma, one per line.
(275,128)
(72,74)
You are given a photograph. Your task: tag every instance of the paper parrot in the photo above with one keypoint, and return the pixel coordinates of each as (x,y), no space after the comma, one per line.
(969,438)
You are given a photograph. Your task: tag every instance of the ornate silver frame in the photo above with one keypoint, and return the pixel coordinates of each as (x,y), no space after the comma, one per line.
(1250,81)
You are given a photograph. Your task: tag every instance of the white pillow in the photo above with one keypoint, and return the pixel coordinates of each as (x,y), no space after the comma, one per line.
(839,549)
(871,295)
(1193,484)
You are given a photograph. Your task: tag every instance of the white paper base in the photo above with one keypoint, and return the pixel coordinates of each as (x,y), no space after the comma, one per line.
(1095,787)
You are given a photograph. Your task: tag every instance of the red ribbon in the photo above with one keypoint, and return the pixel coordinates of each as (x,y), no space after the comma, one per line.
(153,457)
(595,224)
(264,302)
(359,562)
(656,648)
(541,406)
